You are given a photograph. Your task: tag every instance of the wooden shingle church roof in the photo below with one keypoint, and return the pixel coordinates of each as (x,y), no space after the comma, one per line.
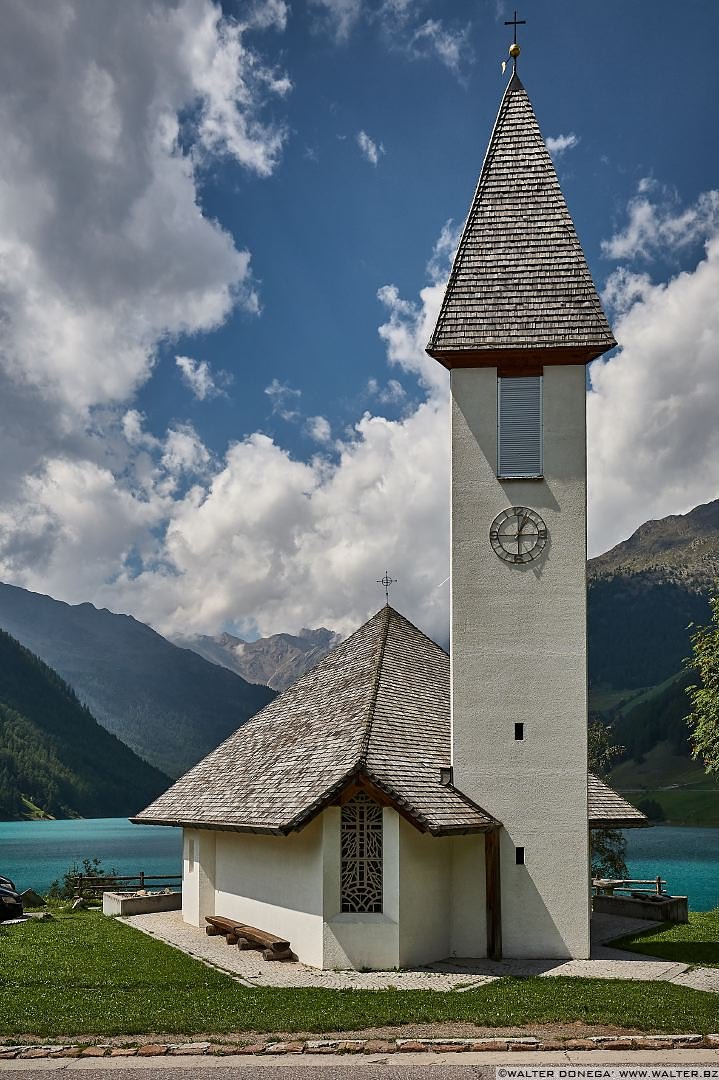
(375,713)
(520,280)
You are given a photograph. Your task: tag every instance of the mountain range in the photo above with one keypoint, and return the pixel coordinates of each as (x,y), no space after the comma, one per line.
(274,661)
(167,704)
(172,702)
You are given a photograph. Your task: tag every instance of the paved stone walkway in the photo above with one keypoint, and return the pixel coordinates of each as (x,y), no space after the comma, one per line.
(453,974)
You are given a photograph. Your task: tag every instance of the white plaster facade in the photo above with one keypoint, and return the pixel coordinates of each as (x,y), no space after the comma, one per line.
(433,892)
(519,654)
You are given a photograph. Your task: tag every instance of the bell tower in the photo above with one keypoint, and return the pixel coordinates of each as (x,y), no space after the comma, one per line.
(520,320)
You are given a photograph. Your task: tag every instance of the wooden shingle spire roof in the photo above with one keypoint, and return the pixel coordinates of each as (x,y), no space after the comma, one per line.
(520,290)
(373,714)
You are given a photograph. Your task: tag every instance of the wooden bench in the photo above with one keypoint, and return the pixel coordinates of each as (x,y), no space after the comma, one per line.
(249,937)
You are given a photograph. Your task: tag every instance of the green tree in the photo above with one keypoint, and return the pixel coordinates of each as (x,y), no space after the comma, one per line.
(652,809)
(65,888)
(608,846)
(703,720)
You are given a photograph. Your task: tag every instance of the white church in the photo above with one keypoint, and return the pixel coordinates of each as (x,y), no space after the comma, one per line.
(396,805)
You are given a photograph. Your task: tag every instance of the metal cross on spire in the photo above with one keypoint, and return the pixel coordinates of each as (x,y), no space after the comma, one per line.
(386,581)
(514,49)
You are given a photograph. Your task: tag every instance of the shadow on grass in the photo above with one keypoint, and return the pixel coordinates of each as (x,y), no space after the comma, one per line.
(695,942)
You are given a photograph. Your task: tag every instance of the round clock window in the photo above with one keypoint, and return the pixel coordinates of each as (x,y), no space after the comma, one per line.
(518,534)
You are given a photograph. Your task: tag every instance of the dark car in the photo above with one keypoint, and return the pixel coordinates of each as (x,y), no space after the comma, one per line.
(10,902)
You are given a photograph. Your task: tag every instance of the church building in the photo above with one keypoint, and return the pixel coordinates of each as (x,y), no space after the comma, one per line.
(397,806)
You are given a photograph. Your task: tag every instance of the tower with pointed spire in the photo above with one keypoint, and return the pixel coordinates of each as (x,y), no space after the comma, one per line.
(520,320)
(396,806)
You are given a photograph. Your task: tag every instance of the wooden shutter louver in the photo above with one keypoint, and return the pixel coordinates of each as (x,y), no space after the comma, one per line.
(520,427)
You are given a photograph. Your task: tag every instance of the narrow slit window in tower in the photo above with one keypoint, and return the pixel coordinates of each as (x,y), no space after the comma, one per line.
(519,732)
(519,856)
(519,435)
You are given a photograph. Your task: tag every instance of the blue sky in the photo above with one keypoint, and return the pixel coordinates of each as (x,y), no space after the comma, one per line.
(270,192)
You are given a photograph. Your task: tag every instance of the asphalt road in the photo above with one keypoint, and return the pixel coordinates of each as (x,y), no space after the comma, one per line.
(394,1070)
(389,1067)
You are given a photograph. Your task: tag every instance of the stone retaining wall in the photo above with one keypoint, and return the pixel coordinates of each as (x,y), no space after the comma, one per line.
(117,903)
(368,1046)
(672,909)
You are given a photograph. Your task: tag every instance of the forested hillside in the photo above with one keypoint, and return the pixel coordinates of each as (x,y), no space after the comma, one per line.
(54,756)
(637,625)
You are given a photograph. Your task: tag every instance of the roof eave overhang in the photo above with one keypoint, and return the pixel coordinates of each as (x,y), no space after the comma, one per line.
(526,359)
(619,823)
(214,826)
(361,779)
(465,830)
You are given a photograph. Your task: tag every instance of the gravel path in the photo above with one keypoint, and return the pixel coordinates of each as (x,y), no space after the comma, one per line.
(454,974)
(252,970)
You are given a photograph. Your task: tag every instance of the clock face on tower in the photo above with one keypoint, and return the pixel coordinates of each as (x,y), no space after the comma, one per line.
(518,534)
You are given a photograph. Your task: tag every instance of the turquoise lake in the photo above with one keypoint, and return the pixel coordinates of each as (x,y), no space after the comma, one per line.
(33,853)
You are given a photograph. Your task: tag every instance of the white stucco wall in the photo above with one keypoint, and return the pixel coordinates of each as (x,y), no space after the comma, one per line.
(198,875)
(434,900)
(468,913)
(425,884)
(275,883)
(361,940)
(433,890)
(518,645)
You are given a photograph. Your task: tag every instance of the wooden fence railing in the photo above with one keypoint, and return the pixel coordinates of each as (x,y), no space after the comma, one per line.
(85,883)
(609,885)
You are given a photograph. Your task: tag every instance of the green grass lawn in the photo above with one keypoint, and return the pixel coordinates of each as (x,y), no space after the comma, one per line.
(83,974)
(695,942)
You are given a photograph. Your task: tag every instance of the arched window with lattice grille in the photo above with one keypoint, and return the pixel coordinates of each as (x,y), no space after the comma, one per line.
(361,854)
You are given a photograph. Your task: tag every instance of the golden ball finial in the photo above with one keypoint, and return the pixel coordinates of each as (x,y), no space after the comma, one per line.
(514,50)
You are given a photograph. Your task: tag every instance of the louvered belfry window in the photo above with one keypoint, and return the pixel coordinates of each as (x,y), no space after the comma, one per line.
(520,427)
(361,854)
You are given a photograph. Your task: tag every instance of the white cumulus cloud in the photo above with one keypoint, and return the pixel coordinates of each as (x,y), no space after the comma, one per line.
(319,429)
(104,246)
(653,435)
(338,16)
(197,375)
(402,26)
(109,113)
(284,399)
(448,44)
(392,393)
(262,541)
(371,150)
(658,223)
(559,144)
